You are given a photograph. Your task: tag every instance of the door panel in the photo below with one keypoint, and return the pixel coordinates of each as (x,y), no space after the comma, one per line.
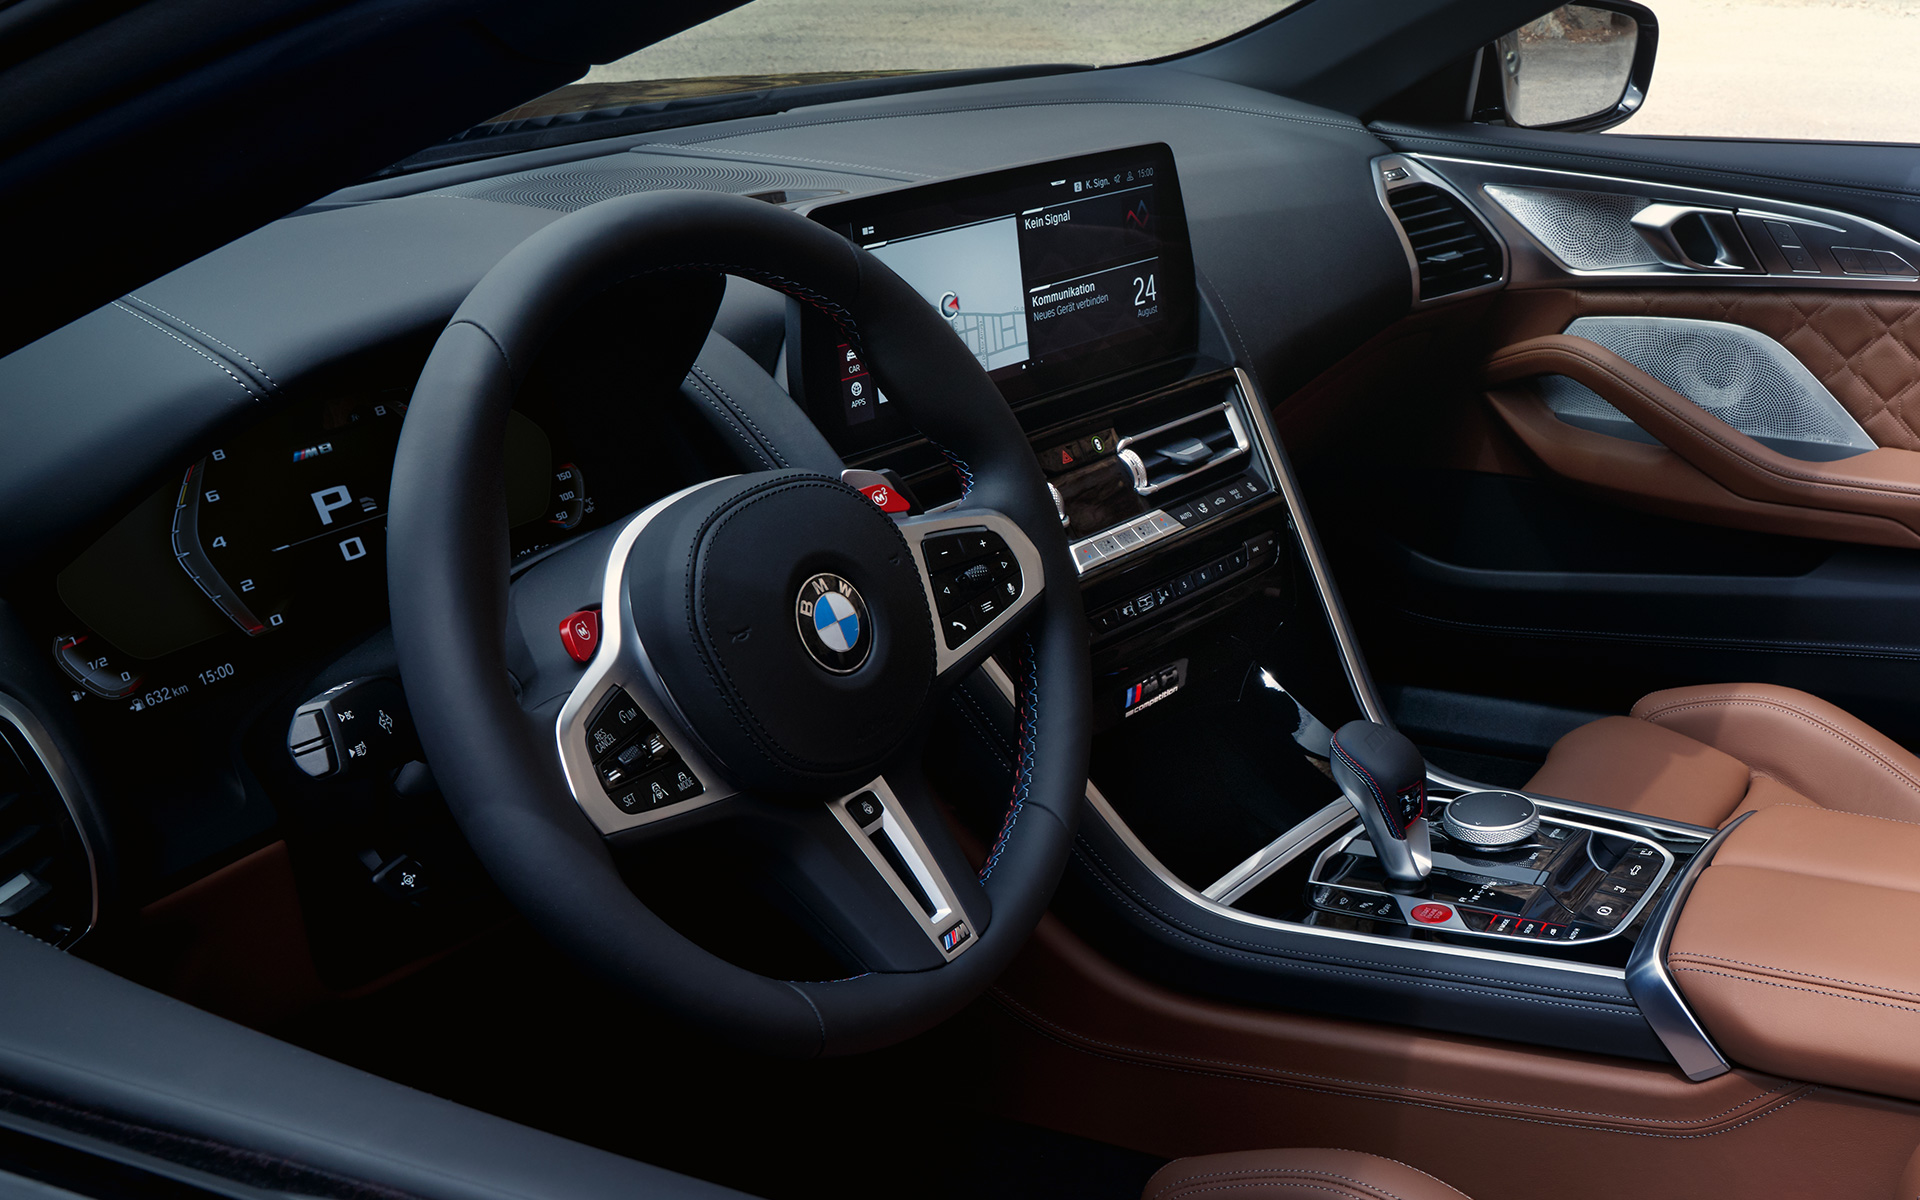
(1490,549)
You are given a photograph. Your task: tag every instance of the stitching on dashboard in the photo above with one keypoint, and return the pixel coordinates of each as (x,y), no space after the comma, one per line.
(1756,1098)
(1029,738)
(1401,135)
(1106,875)
(702,389)
(739,411)
(136,314)
(884,174)
(1161,1065)
(950,109)
(203,333)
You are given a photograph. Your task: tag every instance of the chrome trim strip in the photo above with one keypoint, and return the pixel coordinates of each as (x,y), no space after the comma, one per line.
(1106,813)
(622,662)
(1289,488)
(1652,985)
(898,828)
(1262,863)
(66,785)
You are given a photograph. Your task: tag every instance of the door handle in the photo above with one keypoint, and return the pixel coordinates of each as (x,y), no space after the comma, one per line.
(1695,238)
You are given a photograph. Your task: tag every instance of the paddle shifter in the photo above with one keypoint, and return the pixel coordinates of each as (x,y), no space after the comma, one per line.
(1383,775)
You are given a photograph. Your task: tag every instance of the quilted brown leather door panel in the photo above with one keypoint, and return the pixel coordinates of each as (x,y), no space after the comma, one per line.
(1865,347)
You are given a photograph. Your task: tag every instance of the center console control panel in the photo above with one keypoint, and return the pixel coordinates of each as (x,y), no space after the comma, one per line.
(1568,882)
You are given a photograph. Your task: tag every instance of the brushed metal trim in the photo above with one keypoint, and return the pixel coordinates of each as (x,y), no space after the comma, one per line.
(1533,265)
(898,828)
(1652,985)
(1288,486)
(622,662)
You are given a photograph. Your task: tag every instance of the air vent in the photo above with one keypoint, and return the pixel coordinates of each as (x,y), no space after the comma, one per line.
(1182,448)
(1454,251)
(46,875)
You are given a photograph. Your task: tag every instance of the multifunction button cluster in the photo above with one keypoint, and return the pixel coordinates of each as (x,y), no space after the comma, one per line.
(1222,497)
(975,579)
(1566,884)
(1252,555)
(636,766)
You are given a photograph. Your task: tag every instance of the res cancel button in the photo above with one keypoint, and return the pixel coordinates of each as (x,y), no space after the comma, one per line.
(1432,914)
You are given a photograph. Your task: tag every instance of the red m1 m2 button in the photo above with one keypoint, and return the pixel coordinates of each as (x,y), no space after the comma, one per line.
(1432,914)
(581,634)
(883,495)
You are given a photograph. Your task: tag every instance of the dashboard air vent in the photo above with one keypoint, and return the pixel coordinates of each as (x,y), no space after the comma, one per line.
(1455,252)
(46,874)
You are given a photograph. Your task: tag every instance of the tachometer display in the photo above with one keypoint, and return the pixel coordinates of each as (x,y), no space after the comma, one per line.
(289,519)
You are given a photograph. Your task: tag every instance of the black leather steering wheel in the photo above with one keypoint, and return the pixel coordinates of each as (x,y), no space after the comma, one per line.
(773,638)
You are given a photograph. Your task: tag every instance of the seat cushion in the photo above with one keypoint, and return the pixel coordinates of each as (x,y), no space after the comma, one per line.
(1631,764)
(1705,754)
(1294,1175)
(1822,752)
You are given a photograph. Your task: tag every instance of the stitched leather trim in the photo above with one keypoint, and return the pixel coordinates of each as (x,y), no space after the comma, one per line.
(1800,714)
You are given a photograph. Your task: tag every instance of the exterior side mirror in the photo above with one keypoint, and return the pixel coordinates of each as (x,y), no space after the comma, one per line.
(1581,68)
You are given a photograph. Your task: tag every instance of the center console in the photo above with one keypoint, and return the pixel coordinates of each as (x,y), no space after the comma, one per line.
(1232,837)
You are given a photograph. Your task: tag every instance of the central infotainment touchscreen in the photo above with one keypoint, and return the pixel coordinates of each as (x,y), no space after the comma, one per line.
(1051,274)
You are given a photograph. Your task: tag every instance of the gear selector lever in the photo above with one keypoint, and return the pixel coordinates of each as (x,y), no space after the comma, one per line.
(1383,775)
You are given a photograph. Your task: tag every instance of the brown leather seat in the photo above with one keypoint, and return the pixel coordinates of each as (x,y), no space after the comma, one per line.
(1294,1175)
(1706,754)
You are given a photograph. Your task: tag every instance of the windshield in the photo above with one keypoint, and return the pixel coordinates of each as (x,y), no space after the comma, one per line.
(785,43)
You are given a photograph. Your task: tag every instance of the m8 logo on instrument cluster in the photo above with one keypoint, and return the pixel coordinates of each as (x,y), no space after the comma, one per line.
(834,624)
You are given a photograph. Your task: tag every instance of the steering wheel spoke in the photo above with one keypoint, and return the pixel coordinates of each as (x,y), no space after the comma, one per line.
(917,860)
(982,573)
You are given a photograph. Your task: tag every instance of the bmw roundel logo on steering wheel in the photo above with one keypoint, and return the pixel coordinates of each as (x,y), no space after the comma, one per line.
(834,624)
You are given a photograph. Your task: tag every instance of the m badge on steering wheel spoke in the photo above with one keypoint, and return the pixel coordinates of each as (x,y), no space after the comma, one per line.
(834,624)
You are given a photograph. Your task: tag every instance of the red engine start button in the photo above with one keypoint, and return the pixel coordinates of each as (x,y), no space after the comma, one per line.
(1432,914)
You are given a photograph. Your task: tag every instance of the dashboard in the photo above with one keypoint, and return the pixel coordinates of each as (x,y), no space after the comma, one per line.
(204,553)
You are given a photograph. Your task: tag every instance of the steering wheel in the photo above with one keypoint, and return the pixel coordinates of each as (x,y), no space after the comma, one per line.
(771,648)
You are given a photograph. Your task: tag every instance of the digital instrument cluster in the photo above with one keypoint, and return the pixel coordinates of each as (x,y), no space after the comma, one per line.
(277,535)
